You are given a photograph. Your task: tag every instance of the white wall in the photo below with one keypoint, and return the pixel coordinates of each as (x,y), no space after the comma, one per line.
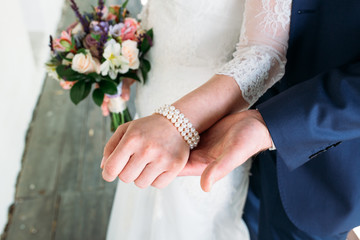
(21,79)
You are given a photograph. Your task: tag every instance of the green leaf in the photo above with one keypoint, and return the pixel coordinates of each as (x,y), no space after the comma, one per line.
(108,87)
(144,74)
(67,73)
(125,4)
(131,75)
(73,43)
(95,77)
(146,65)
(87,90)
(82,50)
(127,115)
(98,96)
(145,46)
(77,92)
(96,36)
(150,33)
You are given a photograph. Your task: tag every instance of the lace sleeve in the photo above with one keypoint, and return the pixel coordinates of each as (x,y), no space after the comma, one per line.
(260,57)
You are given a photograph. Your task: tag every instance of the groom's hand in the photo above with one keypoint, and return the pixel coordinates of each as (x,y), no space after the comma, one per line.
(227,145)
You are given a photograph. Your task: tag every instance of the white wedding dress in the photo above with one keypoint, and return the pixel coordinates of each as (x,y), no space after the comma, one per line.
(193,40)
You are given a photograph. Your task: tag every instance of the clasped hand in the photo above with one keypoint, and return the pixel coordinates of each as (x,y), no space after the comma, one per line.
(147,151)
(150,151)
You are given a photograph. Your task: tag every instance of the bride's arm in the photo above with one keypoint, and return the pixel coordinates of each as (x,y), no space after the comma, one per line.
(151,150)
(258,63)
(216,98)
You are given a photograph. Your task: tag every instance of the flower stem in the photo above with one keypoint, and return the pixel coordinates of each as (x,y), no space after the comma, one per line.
(127,115)
(122,118)
(115,121)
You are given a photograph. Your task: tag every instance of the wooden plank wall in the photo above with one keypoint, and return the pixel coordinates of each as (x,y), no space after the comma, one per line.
(60,193)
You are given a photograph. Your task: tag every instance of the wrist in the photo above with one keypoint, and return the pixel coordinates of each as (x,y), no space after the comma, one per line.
(181,123)
(268,142)
(212,101)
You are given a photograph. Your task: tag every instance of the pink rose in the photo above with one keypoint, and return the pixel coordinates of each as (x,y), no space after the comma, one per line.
(128,32)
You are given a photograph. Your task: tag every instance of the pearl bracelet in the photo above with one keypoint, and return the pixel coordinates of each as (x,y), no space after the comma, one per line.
(183,125)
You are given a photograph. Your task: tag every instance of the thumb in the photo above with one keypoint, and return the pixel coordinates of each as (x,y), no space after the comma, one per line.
(218,169)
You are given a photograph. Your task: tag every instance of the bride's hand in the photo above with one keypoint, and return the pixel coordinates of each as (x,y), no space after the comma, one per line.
(227,145)
(149,151)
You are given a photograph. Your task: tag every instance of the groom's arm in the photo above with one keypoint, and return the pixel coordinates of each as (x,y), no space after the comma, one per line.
(316,115)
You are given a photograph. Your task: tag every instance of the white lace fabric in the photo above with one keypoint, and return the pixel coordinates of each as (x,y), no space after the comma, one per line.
(260,57)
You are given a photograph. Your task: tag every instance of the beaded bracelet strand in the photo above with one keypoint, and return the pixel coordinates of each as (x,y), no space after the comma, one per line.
(183,125)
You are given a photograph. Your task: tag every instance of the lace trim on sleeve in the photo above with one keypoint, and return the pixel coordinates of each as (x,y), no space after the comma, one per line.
(260,57)
(255,69)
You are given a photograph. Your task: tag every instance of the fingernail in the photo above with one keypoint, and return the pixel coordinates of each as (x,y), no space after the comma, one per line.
(102,162)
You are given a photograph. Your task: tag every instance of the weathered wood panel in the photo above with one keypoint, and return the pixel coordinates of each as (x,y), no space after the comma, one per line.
(33,219)
(60,193)
(83,215)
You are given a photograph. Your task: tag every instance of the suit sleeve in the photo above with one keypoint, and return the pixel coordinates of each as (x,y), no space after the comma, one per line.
(311,117)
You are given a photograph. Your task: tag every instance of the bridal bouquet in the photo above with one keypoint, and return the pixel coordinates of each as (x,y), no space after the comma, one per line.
(96,53)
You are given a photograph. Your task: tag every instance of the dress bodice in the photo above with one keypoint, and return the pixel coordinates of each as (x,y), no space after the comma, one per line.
(192,33)
(204,34)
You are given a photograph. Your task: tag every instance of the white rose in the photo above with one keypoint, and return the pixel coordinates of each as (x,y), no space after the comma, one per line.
(131,53)
(85,63)
(116,104)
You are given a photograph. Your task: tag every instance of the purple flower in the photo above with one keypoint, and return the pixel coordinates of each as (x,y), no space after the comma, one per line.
(82,20)
(102,29)
(91,44)
(100,7)
(100,26)
(116,29)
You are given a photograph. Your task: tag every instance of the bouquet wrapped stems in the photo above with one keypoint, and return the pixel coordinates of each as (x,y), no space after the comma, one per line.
(119,118)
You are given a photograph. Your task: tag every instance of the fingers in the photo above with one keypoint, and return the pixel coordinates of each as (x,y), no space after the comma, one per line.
(132,169)
(207,178)
(148,175)
(117,160)
(113,142)
(196,164)
(164,179)
(218,169)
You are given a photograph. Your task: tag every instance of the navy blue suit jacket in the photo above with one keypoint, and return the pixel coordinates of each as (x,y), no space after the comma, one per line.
(313,115)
